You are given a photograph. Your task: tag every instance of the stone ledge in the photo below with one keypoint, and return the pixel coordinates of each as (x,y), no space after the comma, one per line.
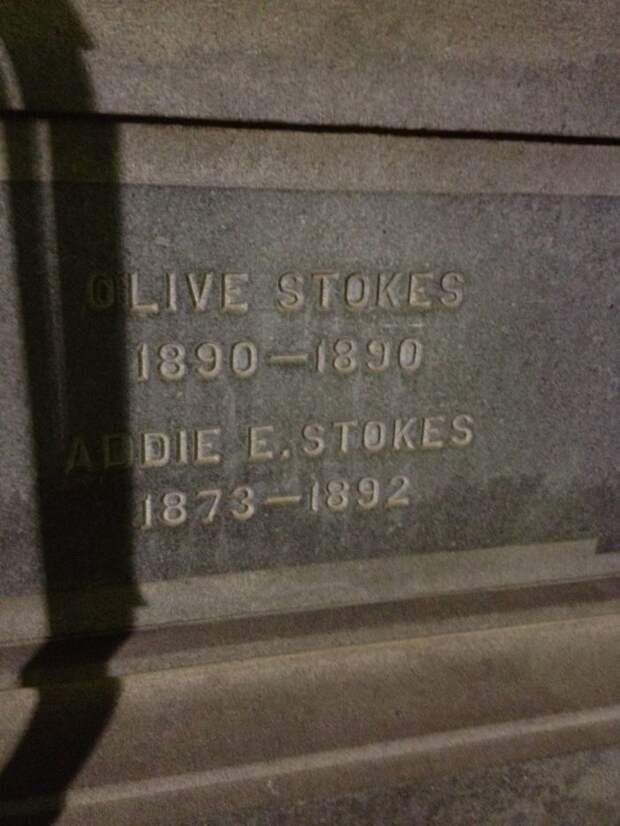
(326,722)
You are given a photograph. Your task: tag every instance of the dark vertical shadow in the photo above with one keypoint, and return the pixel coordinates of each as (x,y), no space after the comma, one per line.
(75,368)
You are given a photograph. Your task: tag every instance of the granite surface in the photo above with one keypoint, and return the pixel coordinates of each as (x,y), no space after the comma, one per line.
(581,789)
(546,67)
(232,379)
(330,344)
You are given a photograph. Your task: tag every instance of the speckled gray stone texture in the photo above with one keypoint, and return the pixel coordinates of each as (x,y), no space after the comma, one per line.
(580,789)
(487,65)
(528,355)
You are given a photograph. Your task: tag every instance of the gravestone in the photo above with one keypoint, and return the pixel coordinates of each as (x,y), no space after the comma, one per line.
(248,377)
(309,429)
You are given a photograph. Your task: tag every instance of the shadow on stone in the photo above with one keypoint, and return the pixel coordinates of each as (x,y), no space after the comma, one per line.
(76,382)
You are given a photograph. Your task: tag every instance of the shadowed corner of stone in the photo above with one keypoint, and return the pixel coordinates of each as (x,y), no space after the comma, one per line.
(521,510)
(603,501)
(592,511)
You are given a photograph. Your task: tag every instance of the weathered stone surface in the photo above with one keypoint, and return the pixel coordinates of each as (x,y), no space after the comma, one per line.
(549,67)
(233,379)
(371,378)
(183,743)
(571,790)
(440,591)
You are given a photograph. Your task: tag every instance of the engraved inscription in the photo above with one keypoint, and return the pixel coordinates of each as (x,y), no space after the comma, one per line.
(146,296)
(209,359)
(266,443)
(249,332)
(175,508)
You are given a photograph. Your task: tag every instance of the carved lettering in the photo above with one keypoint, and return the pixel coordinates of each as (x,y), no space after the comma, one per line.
(199,292)
(258,450)
(205,446)
(232,292)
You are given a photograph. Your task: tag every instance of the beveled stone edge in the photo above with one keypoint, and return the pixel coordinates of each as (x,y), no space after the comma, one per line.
(315,776)
(200,156)
(589,719)
(315,587)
